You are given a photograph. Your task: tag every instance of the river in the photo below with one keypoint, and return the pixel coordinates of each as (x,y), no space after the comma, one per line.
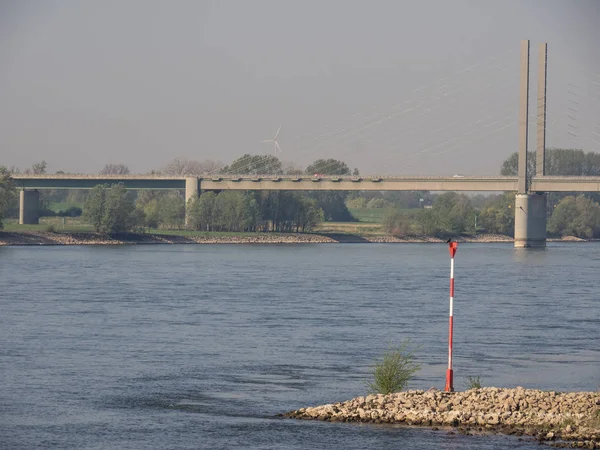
(201,346)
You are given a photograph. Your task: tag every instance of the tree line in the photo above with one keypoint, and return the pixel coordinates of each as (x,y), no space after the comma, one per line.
(452,214)
(111,209)
(406,212)
(277,211)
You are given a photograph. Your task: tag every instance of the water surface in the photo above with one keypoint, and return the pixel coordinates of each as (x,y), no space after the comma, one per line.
(201,346)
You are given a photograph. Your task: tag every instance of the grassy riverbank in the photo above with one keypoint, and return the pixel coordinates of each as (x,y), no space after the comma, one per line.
(74,231)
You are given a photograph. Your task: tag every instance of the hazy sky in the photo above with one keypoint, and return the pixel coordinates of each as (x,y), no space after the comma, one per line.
(382,85)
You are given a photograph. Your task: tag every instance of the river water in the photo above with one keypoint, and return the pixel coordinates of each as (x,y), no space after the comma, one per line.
(201,346)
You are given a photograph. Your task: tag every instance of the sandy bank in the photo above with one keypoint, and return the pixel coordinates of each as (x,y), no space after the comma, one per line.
(563,419)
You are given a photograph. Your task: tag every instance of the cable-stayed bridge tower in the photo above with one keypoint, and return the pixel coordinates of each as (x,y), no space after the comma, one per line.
(530,207)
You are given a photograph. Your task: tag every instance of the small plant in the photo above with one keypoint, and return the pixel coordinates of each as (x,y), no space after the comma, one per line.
(473,383)
(594,421)
(394,371)
(50,228)
(568,421)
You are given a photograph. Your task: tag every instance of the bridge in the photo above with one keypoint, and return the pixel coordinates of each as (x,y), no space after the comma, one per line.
(193,185)
(30,185)
(530,202)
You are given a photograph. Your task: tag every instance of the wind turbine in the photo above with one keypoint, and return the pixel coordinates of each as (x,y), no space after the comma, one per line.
(276,146)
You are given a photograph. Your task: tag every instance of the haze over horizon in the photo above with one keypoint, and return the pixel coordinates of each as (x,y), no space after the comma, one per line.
(390,87)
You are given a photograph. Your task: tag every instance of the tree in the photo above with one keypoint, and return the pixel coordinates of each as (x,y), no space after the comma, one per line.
(450,214)
(309,214)
(171,210)
(118,210)
(567,162)
(253,211)
(192,212)
(7,192)
(408,199)
(328,167)
(559,161)
(357,202)
(39,168)
(206,209)
(115,169)
(498,215)
(93,209)
(229,211)
(183,167)
(333,203)
(510,166)
(396,222)
(576,216)
(255,165)
(110,209)
(428,222)
(291,168)
(453,213)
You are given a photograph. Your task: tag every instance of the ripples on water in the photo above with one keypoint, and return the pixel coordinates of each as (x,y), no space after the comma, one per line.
(202,346)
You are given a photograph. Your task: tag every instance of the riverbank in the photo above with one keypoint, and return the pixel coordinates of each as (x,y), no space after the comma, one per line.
(561,419)
(91,238)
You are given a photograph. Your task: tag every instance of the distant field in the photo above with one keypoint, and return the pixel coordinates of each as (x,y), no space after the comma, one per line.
(77,225)
(369,215)
(372,215)
(70,224)
(358,228)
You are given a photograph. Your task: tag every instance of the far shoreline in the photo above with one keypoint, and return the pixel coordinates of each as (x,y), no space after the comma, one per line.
(37,238)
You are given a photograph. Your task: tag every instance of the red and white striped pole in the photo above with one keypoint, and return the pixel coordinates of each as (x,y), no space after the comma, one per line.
(452,246)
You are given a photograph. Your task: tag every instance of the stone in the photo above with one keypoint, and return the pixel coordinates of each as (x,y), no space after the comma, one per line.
(510,411)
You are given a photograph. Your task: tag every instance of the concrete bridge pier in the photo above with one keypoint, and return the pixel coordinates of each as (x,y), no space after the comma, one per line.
(530,221)
(29,205)
(192,188)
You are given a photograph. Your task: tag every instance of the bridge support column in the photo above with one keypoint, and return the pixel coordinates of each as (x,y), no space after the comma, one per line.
(192,188)
(29,204)
(530,221)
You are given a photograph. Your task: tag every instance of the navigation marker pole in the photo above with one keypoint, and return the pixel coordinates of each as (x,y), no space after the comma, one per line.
(452,246)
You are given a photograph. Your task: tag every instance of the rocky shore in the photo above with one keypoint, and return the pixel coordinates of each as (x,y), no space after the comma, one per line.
(560,419)
(90,238)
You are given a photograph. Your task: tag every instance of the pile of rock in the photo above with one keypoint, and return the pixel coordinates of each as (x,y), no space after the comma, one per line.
(265,238)
(48,238)
(565,419)
(91,238)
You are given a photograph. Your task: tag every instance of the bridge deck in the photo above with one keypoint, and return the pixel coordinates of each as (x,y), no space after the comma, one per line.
(310,183)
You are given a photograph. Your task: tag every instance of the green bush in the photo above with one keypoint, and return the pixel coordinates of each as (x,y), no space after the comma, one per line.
(357,202)
(377,203)
(71,211)
(393,372)
(473,383)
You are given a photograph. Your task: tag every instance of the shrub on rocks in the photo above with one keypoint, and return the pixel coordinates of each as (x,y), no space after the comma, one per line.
(394,371)
(473,383)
